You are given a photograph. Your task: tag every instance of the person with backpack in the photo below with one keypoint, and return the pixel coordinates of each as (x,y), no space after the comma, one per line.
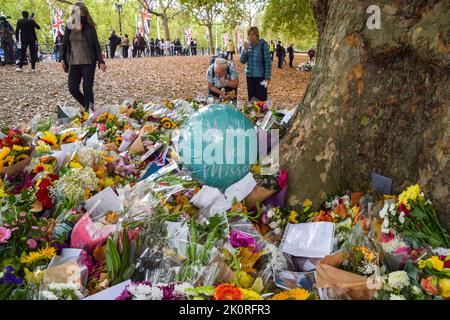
(81,52)
(222,78)
(259,66)
(26,35)
(7,41)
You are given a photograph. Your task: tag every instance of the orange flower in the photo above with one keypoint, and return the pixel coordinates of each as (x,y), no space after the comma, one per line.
(427,285)
(356,196)
(227,292)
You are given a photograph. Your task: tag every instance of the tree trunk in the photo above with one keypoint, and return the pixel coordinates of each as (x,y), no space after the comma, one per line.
(378,101)
(210,40)
(165,22)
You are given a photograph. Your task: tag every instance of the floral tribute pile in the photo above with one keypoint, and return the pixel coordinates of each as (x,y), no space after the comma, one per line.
(101,201)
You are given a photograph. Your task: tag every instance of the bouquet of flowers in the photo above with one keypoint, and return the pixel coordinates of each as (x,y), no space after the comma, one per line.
(435,276)
(15,152)
(398,285)
(62,291)
(414,217)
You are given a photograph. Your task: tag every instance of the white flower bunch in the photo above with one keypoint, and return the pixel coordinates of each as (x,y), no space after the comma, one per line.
(62,291)
(335,202)
(73,184)
(277,258)
(398,280)
(387,213)
(367,269)
(145,292)
(277,221)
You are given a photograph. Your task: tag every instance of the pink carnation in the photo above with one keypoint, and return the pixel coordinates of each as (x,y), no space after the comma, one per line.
(31,243)
(5,234)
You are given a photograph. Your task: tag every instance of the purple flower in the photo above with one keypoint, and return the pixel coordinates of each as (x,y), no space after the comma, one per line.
(167,291)
(125,295)
(23,214)
(9,269)
(241,239)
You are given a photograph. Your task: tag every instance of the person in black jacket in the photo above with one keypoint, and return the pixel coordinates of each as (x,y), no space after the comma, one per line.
(80,54)
(26,35)
(279,54)
(114,41)
(290,51)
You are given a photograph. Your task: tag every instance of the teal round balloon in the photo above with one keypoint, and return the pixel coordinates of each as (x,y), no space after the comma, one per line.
(218,145)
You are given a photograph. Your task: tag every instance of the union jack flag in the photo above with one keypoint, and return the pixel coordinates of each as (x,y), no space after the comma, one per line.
(57,23)
(188,35)
(146,18)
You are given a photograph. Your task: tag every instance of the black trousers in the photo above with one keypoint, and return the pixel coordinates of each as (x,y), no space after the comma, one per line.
(280,62)
(255,89)
(23,53)
(85,72)
(125,51)
(291,59)
(230,55)
(271,55)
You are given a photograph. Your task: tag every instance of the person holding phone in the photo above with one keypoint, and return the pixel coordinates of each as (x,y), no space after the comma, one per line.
(81,52)
(259,65)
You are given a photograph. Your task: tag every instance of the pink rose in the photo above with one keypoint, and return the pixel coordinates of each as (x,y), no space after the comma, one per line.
(31,243)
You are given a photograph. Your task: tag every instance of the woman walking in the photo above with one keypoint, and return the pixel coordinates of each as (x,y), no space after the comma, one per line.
(80,54)
(259,65)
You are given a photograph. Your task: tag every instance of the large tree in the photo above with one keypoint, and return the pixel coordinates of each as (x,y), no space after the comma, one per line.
(378,100)
(165,9)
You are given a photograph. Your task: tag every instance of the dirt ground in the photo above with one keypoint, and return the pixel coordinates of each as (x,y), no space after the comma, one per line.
(22,95)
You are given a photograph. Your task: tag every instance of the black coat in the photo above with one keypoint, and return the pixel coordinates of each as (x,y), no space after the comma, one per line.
(92,44)
(27,30)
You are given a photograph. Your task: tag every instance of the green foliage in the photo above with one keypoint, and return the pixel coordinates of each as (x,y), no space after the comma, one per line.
(119,263)
(291,21)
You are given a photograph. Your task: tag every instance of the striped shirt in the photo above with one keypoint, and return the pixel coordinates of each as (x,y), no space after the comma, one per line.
(258,59)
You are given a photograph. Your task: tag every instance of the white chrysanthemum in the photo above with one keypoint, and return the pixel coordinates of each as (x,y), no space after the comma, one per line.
(385,226)
(396,297)
(179,289)
(278,260)
(277,231)
(270,213)
(398,279)
(145,292)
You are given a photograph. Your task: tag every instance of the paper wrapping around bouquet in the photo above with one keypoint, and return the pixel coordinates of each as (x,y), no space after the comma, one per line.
(329,276)
(258,195)
(138,146)
(16,168)
(69,272)
(111,147)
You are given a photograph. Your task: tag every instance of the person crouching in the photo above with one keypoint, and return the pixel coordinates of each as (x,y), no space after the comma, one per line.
(223,80)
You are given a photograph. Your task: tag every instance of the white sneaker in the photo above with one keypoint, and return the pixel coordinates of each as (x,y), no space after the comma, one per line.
(18,69)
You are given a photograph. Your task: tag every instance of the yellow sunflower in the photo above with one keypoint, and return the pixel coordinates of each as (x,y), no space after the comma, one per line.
(293,294)
(42,254)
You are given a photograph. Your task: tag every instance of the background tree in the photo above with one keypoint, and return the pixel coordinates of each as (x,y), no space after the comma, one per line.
(165,9)
(291,21)
(378,101)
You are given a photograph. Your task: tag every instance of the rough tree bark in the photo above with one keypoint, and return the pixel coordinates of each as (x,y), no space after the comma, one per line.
(378,101)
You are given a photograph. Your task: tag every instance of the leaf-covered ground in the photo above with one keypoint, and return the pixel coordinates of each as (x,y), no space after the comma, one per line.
(22,95)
